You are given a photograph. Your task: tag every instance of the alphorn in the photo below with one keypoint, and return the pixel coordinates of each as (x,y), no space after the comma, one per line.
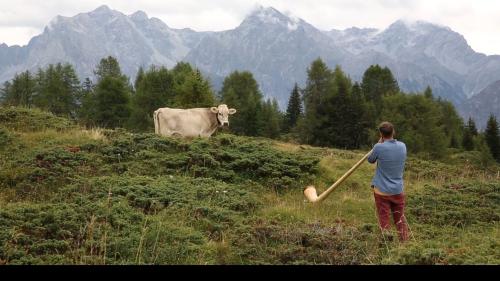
(311,193)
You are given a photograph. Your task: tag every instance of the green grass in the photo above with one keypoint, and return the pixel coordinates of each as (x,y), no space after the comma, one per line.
(74,196)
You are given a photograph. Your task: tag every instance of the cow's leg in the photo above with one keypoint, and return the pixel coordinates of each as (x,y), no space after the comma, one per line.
(206,133)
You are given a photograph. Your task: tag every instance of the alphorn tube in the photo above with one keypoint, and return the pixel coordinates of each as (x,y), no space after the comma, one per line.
(311,193)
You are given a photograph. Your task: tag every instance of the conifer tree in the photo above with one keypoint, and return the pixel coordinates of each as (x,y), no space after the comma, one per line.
(181,71)
(366,117)
(449,120)
(271,119)
(492,137)
(155,89)
(111,97)
(378,82)
(428,93)
(467,139)
(241,91)
(112,103)
(195,91)
(59,90)
(319,86)
(88,104)
(139,77)
(109,66)
(21,91)
(417,123)
(345,126)
(472,126)
(294,110)
(470,132)
(4,91)
(484,151)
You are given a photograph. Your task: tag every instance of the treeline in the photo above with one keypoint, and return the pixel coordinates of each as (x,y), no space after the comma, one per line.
(112,101)
(330,110)
(56,89)
(340,113)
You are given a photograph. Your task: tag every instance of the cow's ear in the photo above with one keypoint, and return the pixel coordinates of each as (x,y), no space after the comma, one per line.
(232,111)
(214,109)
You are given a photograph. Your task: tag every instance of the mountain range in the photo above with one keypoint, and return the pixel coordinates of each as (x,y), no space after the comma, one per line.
(480,106)
(275,47)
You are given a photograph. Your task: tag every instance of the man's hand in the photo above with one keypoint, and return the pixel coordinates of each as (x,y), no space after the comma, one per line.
(381,140)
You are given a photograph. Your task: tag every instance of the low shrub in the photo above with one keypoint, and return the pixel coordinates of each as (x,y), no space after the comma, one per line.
(229,158)
(456,204)
(31,119)
(5,138)
(278,242)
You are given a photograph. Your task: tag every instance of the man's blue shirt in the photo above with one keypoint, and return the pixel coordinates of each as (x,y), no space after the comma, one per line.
(390,157)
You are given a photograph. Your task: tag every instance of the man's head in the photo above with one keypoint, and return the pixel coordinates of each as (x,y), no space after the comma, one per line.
(386,130)
(222,113)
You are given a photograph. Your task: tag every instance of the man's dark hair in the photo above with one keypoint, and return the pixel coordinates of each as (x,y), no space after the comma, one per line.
(386,129)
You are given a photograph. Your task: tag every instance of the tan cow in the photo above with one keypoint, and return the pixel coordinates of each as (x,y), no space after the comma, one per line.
(193,122)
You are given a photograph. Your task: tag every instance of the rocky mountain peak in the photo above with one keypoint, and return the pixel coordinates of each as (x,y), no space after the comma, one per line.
(270,16)
(418,27)
(139,16)
(104,9)
(102,13)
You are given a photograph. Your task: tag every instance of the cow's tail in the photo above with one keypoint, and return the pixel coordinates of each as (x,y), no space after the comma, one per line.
(156,117)
(155,120)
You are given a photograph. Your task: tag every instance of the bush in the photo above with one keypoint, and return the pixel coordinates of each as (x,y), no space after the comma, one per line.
(228,158)
(152,195)
(25,119)
(92,232)
(32,233)
(5,138)
(279,242)
(419,255)
(457,204)
(52,168)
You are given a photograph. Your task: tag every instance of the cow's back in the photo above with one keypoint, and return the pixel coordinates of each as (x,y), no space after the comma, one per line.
(192,122)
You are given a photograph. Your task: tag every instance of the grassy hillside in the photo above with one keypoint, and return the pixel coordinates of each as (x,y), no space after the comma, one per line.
(69,195)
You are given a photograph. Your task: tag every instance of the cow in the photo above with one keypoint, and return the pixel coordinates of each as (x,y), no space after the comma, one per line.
(191,123)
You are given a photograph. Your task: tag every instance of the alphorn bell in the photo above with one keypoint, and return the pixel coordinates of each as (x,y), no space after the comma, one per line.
(311,193)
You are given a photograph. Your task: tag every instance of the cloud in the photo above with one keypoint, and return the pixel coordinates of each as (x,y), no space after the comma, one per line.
(17,35)
(477,20)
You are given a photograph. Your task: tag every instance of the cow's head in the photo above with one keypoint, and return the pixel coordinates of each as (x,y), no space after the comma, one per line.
(222,113)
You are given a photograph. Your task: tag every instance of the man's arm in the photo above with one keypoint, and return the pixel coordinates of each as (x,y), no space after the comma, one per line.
(374,155)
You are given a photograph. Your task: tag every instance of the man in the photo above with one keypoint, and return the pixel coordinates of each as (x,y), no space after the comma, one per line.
(387,183)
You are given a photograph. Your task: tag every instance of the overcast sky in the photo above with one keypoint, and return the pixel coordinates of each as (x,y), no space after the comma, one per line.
(477,20)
